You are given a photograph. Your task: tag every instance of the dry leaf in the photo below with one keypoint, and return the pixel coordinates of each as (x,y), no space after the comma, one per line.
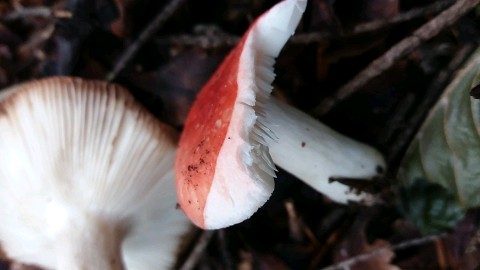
(177,82)
(355,242)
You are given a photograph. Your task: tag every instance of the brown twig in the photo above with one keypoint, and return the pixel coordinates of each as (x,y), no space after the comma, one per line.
(397,120)
(45,12)
(472,244)
(376,25)
(405,46)
(198,250)
(332,227)
(222,39)
(332,239)
(228,262)
(202,41)
(440,251)
(146,34)
(346,264)
(402,17)
(430,97)
(294,222)
(31,47)
(246,261)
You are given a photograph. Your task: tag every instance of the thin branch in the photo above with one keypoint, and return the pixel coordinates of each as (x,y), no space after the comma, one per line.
(376,25)
(45,12)
(202,41)
(226,40)
(403,17)
(441,256)
(402,48)
(397,120)
(198,250)
(146,34)
(35,41)
(431,95)
(226,256)
(346,264)
(472,244)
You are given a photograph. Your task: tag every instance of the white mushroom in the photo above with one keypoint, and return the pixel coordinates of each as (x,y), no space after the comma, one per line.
(224,171)
(86,178)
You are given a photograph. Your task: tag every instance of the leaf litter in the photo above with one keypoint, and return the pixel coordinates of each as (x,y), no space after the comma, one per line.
(297,228)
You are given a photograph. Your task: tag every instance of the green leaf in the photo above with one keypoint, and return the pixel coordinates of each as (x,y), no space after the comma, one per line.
(429,206)
(445,152)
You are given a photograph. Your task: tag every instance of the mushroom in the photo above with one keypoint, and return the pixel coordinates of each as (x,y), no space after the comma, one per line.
(224,171)
(86,178)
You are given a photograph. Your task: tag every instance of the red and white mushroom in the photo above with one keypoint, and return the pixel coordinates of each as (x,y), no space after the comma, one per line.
(224,171)
(86,178)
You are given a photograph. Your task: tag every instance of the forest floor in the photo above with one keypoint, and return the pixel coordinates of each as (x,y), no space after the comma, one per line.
(370,69)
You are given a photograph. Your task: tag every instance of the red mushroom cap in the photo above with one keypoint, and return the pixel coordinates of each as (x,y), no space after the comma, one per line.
(224,172)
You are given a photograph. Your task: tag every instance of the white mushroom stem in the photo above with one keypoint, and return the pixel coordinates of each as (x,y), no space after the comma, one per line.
(314,152)
(305,147)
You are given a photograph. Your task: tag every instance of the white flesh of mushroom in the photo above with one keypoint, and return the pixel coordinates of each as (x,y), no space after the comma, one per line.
(86,177)
(284,129)
(281,21)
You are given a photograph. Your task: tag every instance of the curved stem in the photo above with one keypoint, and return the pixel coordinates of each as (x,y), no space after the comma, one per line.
(315,153)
